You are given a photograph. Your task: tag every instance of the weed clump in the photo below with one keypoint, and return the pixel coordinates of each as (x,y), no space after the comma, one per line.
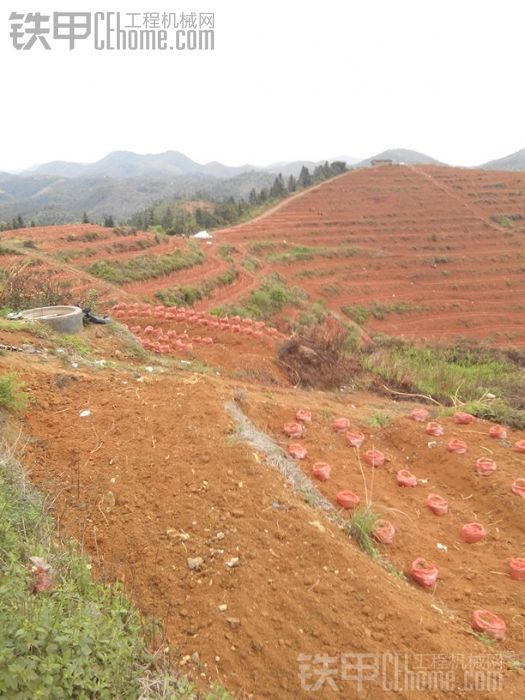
(317,357)
(12,395)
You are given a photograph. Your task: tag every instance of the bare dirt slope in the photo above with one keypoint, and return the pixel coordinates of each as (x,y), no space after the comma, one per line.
(156,476)
(441,249)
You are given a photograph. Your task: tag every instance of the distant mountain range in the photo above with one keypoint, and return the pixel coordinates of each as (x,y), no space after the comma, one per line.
(516,161)
(124,182)
(400,155)
(125,164)
(54,199)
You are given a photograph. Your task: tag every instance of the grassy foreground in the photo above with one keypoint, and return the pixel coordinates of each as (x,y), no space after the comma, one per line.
(79,639)
(67,636)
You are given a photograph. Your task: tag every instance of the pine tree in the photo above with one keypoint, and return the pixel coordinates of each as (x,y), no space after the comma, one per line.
(292,184)
(166,220)
(85,219)
(305,179)
(278,189)
(263,195)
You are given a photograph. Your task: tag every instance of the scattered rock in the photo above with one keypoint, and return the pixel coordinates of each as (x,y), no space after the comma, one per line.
(233,562)
(234,622)
(195,563)
(223,607)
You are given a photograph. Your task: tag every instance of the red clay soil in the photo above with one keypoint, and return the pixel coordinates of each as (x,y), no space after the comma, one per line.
(444,242)
(156,476)
(430,237)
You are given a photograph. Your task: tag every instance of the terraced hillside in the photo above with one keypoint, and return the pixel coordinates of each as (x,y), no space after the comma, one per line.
(417,251)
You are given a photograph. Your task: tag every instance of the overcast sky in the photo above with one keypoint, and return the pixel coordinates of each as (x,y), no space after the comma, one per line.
(287,80)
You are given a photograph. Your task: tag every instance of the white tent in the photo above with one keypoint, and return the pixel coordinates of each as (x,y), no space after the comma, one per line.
(202,235)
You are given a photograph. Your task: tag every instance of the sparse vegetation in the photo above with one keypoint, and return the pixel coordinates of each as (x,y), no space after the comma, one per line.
(454,374)
(147,266)
(187,295)
(363,520)
(377,309)
(507,220)
(66,636)
(22,287)
(86,237)
(379,420)
(12,395)
(82,640)
(265,301)
(301,253)
(251,264)
(484,638)
(226,252)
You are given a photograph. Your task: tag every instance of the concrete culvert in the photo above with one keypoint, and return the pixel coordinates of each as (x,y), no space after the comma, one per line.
(64,319)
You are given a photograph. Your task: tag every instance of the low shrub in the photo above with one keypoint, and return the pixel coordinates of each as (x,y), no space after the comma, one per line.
(12,395)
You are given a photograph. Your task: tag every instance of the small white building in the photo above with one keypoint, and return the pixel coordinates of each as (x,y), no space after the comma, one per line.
(203,235)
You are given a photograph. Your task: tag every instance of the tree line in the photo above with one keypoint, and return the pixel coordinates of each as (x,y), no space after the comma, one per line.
(16,222)
(175,218)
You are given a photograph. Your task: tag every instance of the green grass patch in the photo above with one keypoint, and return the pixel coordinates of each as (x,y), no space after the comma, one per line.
(313,315)
(451,374)
(81,639)
(225,250)
(6,250)
(12,395)
(362,523)
(144,267)
(379,420)
(356,313)
(74,343)
(87,237)
(502,220)
(268,299)
(263,246)
(294,254)
(377,309)
(187,295)
(251,264)
(74,253)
